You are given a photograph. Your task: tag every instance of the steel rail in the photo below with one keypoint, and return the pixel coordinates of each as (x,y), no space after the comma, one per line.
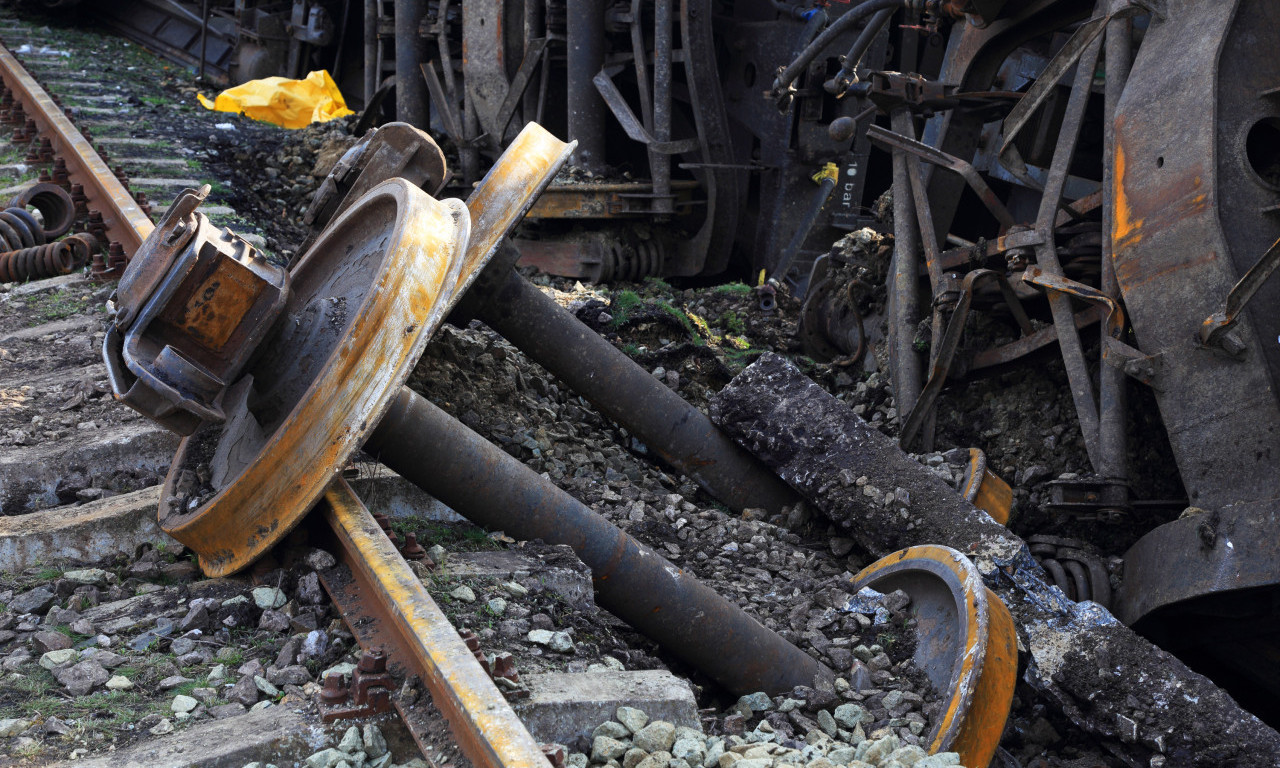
(417,636)
(123,219)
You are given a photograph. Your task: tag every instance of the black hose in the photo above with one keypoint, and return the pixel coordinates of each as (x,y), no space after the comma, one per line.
(853,58)
(839,27)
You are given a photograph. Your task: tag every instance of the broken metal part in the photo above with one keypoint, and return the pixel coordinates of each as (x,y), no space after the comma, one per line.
(1216,329)
(187,317)
(387,608)
(394,150)
(1079,574)
(965,644)
(945,349)
(985,489)
(1091,497)
(477,479)
(830,326)
(362,305)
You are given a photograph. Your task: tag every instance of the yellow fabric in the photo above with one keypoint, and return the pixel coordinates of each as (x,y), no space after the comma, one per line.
(284,102)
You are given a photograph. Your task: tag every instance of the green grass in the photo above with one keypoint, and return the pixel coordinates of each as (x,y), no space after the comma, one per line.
(623,306)
(46,308)
(734,289)
(733,323)
(48,574)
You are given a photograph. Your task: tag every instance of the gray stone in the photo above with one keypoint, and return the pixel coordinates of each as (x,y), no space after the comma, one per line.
(939,760)
(80,679)
(351,742)
(319,560)
(875,751)
(562,706)
(850,715)
(119,683)
(54,659)
(633,757)
(173,681)
(755,702)
(183,703)
(827,723)
(560,642)
(244,692)
(13,726)
(95,576)
(36,600)
(325,758)
(294,674)
(657,736)
(891,699)
(656,760)
(612,730)
(161,728)
(265,686)
(49,640)
(464,593)
(182,645)
(691,750)
(604,748)
(314,645)
(223,711)
(497,606)
(375,746)
(634,719)
(268,598)
(273,621)
(908,755)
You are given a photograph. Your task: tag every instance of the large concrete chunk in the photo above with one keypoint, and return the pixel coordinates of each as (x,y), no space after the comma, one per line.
(1107,679)
(555,567)
(279,734)
(87,533)
(30,478)
(564,707)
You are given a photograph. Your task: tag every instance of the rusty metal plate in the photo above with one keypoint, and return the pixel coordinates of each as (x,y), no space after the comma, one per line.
(364,302)
(965,644)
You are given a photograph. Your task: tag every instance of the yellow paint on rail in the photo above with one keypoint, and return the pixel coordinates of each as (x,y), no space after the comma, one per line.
(488,732)
(120,214)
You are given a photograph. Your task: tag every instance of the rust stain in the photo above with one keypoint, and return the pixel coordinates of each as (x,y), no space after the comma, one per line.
(1123,227)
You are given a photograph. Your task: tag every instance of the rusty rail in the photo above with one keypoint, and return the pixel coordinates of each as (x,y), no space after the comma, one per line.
(417,636)
(124,221)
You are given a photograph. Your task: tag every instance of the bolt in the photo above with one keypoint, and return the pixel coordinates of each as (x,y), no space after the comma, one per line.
(373,662)
(412,549)
(334,691)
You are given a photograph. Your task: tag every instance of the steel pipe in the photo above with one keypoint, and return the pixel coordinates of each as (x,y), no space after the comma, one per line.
(489,487)
(411,88)
(587,110)
(668,424)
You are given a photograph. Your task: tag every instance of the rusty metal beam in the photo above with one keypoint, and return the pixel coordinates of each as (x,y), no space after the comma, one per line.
(417,635)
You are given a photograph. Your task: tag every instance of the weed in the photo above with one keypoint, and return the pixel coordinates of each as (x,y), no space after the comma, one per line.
(658,284)
(733,323)
(55,305)
(734,289)
(623,306)
(48,574)
(692,324)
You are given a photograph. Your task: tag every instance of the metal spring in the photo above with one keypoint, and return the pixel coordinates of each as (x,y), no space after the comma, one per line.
(19,229)
(633,262)
(54,204)
(1079,574)
(37,263)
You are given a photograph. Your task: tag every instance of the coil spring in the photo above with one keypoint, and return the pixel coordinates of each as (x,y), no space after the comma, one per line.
(55,205)
(1079,574)
(19,229)
(633,262)
(37,263)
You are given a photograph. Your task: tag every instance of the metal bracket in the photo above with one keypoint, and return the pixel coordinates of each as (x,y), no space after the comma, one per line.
(1217,329)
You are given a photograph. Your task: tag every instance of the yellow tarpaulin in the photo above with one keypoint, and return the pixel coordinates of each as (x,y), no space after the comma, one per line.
(285,102)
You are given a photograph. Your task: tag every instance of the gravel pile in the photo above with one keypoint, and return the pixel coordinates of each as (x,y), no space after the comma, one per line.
(359,748)
(631,740)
